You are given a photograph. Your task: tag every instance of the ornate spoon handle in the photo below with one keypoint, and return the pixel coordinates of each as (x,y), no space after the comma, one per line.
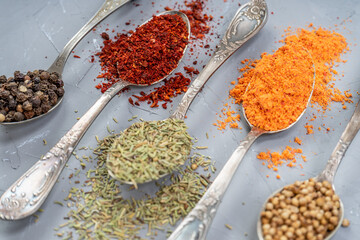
(105,10)
(344,142)
(248,20)
(28,193)
(197,222)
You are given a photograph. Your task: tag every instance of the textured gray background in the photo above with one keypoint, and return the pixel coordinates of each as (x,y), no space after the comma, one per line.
(32,34)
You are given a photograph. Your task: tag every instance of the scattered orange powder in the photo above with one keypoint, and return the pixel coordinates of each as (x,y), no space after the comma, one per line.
(276,159)
(228,117)
(309,129)
(297,140)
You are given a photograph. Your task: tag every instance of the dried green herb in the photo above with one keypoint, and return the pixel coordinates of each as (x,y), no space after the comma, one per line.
(101,212)
(149,150)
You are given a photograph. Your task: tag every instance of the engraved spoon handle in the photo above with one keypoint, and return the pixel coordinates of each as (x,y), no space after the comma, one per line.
(27,194)
(197,222)
(248,20)
(345,140)
(105,10)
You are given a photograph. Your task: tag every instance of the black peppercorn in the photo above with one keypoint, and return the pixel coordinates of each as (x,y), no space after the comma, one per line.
(18,116)
(27,95)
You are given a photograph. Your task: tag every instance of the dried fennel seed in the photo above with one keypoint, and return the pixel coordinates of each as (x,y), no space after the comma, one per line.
(148,150)
(102,213)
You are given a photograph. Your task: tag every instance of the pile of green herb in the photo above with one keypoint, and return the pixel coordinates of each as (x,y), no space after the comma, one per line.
(149,150)
(102,213)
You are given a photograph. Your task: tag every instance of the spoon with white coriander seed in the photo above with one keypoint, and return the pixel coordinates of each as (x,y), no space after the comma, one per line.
(149,150)
(27,194)
(40,92)
(312,208)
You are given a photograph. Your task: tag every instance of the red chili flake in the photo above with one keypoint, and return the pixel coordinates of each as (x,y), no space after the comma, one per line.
(171,88)
(131,101)
(146,56)
(105,36)
(76,56)
(191,70)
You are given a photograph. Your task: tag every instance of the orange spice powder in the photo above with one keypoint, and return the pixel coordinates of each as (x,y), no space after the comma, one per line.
(279,88)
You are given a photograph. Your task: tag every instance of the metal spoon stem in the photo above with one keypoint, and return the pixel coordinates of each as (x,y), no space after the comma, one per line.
(197,222)
(105,10)
(242,27)
(248,21)
(27,194)
(345,140)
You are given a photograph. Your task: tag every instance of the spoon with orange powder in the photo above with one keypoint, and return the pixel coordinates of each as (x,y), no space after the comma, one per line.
(275,99)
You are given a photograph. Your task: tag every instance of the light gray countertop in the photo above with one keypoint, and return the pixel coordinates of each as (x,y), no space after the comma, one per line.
(33,33)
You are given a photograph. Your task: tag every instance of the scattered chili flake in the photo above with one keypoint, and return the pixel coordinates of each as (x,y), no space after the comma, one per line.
(198,20)
(76,56)
(171,88)
(146,56)
(105,36)
(191,70)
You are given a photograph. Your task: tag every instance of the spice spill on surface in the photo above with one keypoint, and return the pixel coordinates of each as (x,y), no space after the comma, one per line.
(101,212)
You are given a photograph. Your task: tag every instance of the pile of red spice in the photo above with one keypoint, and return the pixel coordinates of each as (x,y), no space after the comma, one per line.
(178,84)
(147,55)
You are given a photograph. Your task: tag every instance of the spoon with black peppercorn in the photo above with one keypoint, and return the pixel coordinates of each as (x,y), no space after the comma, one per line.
(312,208)
(27,194)
(135,148)
(30,96)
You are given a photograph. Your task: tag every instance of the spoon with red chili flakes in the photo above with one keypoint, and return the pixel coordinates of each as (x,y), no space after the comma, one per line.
(27,194)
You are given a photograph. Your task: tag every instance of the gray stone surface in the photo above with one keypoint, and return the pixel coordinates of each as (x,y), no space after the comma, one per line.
(33,33)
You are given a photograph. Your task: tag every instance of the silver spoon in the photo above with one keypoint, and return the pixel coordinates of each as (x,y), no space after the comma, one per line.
(328,174)
(197,222)
(248,21)
(26,195)
(58,65)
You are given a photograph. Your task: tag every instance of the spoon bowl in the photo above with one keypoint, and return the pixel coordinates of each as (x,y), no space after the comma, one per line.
(331,167)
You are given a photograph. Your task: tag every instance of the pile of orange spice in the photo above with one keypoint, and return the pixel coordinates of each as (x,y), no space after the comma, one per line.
(279,88)
(325,47)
